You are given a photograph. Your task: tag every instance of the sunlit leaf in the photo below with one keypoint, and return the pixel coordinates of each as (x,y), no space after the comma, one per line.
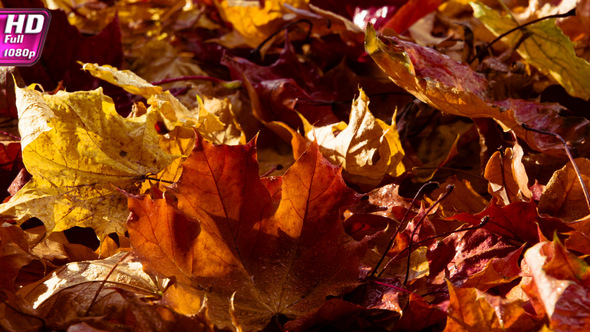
(367,148)
(255,21)
(455,88)
(558,285)
(544,46)
(507,176)
(78,150)
(221,239)
(123,78)
(472,310)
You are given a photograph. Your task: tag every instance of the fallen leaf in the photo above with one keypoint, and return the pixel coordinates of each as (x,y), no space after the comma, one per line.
(563,196)
(455,88)
(419,315)
(255,21)
(367,148)
(220,240)
(409,13)
(498,271)
(561,293)
(159,60)
(78,149)
(463,198)
(15,253)
(286,86)
(545,47)
(123,78)
(471,309)
(518,221)
(508,180)
(106,294)
(463,254)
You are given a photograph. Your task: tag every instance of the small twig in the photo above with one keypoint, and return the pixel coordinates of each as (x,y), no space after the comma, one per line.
(448,191)
(399,227)
(286,26)
(481,224)
(392,286)
(16,138)
(569,155)
(503,176)
(483,50)
(159,180)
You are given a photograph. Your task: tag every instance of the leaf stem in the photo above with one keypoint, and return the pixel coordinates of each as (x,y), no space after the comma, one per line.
(392,286)
(569,155)
(159,180)
(448,191)
(286,26)
(399,227)
(480,53)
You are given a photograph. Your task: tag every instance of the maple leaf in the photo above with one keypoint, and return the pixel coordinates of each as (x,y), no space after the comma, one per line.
(278,245)
(507,177)
(463,198)
(367,148)
(158,60)
(545,47)
(518,221)
(254,21)
(558,285)
(214,119)
(114,291)
(465,257)
(78,149)
(471,309)
(277,89)
(125,79)
(563,196)
(455,88)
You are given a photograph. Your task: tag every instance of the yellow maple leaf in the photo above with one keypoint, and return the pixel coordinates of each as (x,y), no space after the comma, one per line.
(367,148)
(253,22)
(214,118)
(546,47)
(125,79)
(77,149)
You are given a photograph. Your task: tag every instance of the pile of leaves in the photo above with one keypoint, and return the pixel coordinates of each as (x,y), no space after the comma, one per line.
(298,165)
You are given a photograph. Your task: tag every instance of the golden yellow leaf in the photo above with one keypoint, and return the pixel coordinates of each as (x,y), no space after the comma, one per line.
(367,148)
(214,119)
(254,23)
(78,150)
(123,78)
(546,47)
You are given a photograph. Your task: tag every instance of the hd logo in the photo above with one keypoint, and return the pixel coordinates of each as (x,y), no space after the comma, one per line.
(23,35)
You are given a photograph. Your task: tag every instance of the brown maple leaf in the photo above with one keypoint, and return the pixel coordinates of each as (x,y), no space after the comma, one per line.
(261,247)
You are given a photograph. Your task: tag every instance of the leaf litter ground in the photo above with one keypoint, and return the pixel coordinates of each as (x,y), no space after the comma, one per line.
(298,165)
